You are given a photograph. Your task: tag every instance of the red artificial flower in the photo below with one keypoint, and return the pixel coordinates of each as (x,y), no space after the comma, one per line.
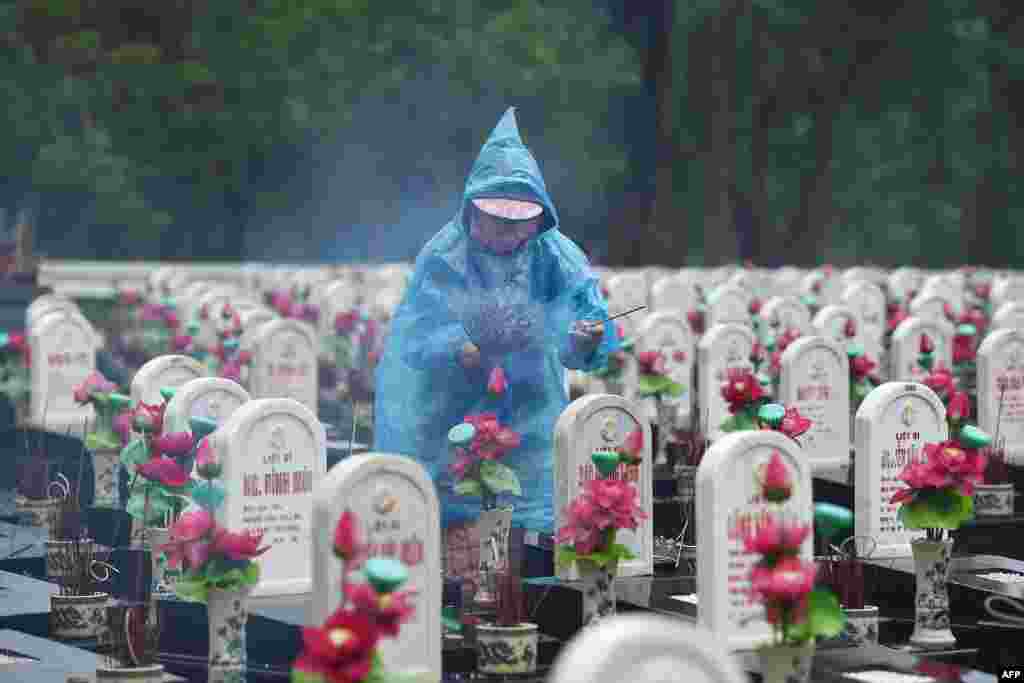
(897,314)
(949,312)
(776,483)
(206,460)
(346,536)
(491,441)
(188,546)
(775,539)
(651,362)
(240,546)
(757,353)
(787,338)
(755,306)
(164,471)
(497,384)
(862,366)
(123,427)
(129,297)
(850,328)
(940,380)
(180,343)
(983,291)
(787,583)
(231,370)
(963,348)
(388,612)
(959,407)
(461,465)
(632,449)
(679,356)
(175,444)
(342,650)
(946,465)
(740,389)
(282,303)
(926,345)
(793,423)
(171,319)
(148,418)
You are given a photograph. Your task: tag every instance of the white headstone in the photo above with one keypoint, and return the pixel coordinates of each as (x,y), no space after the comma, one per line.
(1009,316)
(674,294)
(948,286)
(212,302)
(48,303)
(930,304)
(722,347)
(787,281)
(903,282)
(339,296)
(1008,289)
(815,379)
(787,313)
(274,453)
(825,287)
(168,372)
(729,494)
(626,292)
(395,501)
(646,649)
(670,334)
(284,362)
(867,301)
(892,426)
(601,422)
(863,274)
(831,323)
(63,346)
(906,347)
(729,304)
(1001,389)
(214,398)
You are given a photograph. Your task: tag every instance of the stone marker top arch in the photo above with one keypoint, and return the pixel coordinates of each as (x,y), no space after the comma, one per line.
(644,648)
(674,293)
(170,371)
(47,303)
(1009,315)
(892,426)
(63,345)
(729,303)
(215,398)
(384,486)
(787,312)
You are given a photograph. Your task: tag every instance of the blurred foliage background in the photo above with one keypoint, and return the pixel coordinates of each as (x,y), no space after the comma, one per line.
(697,132)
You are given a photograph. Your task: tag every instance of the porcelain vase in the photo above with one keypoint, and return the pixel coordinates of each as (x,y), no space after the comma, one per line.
(931,612)
(106,466)
(493,528)
(862,624)
(504,650)
(164,579)
(78,617)
(787,663)
(598,591)
(227,614)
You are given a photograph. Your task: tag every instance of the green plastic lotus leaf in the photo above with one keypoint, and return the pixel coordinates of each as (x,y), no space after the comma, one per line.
(606,462)
(385,574)
(973,437)
(461,434)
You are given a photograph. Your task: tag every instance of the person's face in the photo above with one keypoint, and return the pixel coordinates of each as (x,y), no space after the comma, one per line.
(502,236)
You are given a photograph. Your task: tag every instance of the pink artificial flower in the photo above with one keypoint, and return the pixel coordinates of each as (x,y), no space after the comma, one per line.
(345,322)
(696,320)
(897,314)
(786,583)
(862,366)
(776,483)
(148,418)
(983,291)
(679,356)
(755,306)
(175,444)
(180,343)
(192,525)
(95,383)
(129,297)
(632,449)
(793,423)
(959,407)
(240,546)
(497,385)
(578,531)
(346,536)
(461,465)
(164,471)
(282,303)
(940,380)
(850,328)
(963,348)
(773,538)
(152,313)
(81,394)
(231,370)
(651,362)
(616,503)
(171,319)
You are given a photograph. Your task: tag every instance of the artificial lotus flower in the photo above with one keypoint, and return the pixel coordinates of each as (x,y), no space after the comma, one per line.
(897,314)
(958,408)
(679,356)
(776,482)
(755,306)
(793,423)
(282,303)
(741,389)
(850,328)
(497,384)
(388,611)
(862,366)
(940,380)
(651,363)
(696,320)
(148,418)
(963,348)
(129,297)
(175,444)
(926,344)
(775,539)
(342,650)
(786,583)
(180,343)
(164,470)
(123,427)
(346,322)
(632,449)
(188,546)
(95,383)
(206,460)
(171,319)
(615,503)
(239,546)
(346,536)
(578,530)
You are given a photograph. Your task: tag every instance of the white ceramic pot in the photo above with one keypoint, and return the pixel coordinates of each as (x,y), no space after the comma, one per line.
(77,617)
(598,591)
(787,664)
(106,464)
(506,649)
(993,500)
(138,674)
(931,613)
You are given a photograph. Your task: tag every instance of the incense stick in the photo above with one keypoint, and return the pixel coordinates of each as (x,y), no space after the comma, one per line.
(620,315)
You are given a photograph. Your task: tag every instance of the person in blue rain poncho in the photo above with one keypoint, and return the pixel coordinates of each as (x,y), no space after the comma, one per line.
(498,286)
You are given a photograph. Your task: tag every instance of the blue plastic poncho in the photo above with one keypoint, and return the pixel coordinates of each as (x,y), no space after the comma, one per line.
(518,309)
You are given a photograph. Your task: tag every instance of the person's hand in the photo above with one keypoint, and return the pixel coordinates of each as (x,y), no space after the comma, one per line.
(587,334)
(469,355)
